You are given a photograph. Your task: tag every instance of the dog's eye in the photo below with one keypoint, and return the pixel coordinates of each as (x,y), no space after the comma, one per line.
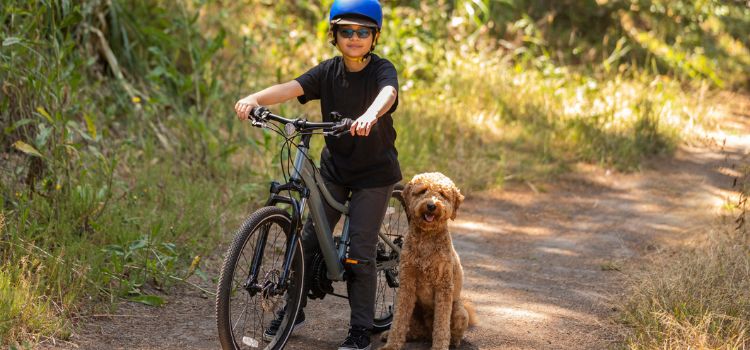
(420,192)
(443,195)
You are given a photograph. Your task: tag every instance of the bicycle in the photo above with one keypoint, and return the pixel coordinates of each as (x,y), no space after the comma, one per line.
(254,287)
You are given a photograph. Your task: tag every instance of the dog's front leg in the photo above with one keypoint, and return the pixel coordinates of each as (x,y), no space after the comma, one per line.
(441,328)
(404,307)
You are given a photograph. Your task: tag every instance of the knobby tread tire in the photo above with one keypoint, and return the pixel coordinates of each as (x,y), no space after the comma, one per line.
(223,294)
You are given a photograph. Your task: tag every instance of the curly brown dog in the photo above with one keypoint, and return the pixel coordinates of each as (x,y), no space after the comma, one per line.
(429,299)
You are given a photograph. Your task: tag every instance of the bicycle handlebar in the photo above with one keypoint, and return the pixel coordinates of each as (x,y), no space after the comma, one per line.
(261,114)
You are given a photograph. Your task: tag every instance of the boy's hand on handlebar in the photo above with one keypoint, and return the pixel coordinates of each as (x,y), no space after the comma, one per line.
(363,124)
(244,106)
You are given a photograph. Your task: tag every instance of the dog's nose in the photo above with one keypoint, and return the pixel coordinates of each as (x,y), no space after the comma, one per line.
(431,206)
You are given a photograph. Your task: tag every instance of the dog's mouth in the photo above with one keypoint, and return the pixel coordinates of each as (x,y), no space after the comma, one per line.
(428,217)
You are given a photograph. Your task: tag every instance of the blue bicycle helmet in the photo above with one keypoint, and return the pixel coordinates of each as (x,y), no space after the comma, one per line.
(357,12)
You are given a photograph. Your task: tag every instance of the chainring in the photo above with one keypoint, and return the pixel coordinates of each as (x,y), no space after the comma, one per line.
(320,285)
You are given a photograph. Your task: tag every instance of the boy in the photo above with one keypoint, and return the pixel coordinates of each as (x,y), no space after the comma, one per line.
(361,85)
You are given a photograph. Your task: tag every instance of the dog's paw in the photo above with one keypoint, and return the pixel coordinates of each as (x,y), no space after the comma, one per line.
(440,344)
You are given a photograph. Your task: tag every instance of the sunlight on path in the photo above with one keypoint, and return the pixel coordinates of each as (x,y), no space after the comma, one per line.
(546,270)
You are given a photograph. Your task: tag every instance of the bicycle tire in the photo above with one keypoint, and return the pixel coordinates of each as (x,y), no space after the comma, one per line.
(395,225)
(234,272)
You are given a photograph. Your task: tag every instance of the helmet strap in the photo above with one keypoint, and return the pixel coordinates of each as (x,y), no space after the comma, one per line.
(355,59)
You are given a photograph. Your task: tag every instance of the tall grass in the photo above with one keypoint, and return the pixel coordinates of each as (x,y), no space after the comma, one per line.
(24,313)
(113,179)
(701,298)
(485,120)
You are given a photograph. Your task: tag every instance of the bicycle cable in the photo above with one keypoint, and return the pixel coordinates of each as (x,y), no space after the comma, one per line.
(287,144)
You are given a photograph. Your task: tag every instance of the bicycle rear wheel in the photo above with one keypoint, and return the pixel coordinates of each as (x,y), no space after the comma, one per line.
(395,226)
(244,308)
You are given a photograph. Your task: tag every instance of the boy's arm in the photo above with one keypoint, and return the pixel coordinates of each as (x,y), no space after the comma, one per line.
(268,96)
(383,102)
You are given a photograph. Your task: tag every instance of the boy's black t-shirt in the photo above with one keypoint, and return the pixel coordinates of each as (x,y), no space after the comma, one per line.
(355,161)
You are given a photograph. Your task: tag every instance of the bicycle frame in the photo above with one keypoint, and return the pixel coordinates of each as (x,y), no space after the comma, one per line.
(307,181)
(305,170)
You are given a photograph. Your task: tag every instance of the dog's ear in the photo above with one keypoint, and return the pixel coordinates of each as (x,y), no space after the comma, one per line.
(458,198)
(406,196)
(406,193)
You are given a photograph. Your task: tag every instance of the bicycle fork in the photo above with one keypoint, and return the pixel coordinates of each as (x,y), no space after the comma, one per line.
(278,284)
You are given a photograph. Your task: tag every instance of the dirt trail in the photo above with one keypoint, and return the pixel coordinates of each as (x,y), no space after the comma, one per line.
(545,264)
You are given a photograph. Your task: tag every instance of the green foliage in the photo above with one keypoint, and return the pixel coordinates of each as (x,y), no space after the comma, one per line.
(113,179)
(686,39)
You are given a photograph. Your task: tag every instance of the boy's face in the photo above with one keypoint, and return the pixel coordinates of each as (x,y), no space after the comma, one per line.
(355,45)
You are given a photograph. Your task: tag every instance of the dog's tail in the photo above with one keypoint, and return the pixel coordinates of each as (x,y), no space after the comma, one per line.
(472,310)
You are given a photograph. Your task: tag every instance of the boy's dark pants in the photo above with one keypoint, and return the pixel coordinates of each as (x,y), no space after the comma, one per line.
(366,211)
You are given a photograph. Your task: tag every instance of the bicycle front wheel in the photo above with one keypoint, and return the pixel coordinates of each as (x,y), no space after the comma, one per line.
(395,226)
(250,292)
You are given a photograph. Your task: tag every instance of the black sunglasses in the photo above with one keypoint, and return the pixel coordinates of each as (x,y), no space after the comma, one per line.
(363,33)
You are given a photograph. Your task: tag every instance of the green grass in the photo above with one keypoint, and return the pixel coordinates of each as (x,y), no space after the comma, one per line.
(132,240)
(24,313)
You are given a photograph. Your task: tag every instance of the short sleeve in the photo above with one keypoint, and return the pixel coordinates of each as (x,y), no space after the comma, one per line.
(310,82)
(387,76)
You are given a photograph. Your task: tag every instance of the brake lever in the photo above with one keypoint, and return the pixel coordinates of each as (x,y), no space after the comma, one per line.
(335,133)
(258,115)
(342,129)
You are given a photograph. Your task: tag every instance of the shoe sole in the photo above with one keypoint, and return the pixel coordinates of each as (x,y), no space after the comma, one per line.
(269,337)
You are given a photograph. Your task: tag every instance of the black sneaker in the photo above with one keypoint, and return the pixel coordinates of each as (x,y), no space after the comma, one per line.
(358,339)
(270,332)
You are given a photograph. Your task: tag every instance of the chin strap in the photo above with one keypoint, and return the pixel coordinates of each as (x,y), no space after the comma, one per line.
(357,59)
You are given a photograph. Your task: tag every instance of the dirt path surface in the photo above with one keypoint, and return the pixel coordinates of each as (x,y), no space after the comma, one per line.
(545,264)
